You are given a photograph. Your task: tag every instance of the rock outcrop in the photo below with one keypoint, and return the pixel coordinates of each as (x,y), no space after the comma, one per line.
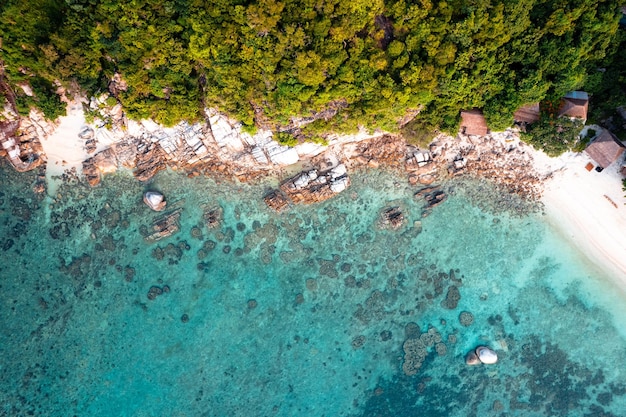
(313,186)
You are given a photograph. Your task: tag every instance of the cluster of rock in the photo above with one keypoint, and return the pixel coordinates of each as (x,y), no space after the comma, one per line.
(311,186)
(499,156)
(432,196)
(383,151)
(20,137)
(391,218)
(163,226)
(155,291)
(212,216)
(147,150)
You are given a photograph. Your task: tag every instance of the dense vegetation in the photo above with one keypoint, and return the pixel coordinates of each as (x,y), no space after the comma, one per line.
(555,135)
(360,61)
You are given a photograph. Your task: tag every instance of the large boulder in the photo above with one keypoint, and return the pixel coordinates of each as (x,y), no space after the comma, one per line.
(154,200)
(486,355)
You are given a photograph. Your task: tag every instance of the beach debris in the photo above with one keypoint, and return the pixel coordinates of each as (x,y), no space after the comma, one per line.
(154,200)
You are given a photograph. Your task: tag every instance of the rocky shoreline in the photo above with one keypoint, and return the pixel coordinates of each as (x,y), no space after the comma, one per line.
(308,172)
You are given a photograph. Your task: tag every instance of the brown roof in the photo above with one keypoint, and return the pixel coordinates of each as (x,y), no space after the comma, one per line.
(473,123)
(605,149)
(528,113)
(575,104)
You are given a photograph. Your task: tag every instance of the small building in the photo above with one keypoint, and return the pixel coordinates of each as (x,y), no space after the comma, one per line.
(575,104)
(473,123)
(605,149)
(528,113)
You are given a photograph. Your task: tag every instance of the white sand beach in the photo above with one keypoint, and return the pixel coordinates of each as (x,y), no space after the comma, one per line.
(589,209)
(64,149)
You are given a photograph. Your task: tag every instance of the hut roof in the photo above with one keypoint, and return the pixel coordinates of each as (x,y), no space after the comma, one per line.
(473,123)
(605,149)
(575,104)
(528,113)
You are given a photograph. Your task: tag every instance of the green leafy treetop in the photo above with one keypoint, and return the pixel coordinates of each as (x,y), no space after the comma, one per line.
(264,62)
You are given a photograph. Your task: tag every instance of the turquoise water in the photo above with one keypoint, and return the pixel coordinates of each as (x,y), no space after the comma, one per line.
(299,314)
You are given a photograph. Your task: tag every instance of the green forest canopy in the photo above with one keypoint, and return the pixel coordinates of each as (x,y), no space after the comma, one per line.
(265,61)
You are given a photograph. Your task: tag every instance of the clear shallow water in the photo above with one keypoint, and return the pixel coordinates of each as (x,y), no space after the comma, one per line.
(306,313)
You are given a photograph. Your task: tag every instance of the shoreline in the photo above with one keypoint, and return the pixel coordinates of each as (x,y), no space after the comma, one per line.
(579,205)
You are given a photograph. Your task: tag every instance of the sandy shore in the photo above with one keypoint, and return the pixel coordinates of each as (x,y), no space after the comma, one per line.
(588,208)
(64,149)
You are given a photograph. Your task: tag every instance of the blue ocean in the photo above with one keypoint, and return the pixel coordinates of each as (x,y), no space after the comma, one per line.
(317,311)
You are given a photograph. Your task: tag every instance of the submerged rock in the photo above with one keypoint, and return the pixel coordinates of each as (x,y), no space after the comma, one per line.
(391,218)
(472,358)
(276,200)
(154,200)
(486,355)
(466,318)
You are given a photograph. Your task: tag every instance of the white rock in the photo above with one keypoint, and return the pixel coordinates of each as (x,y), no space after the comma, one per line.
(224,133)
(259,155)
(338,171)
(309,149)
(154,200)
(339,185)
(486,355)
(282,155)
(312,175)
(14,153)
(302,180)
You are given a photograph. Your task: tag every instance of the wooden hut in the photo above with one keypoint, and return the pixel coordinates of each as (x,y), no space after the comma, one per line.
(605,149)
(529,113)
(473,123)
(575,104)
